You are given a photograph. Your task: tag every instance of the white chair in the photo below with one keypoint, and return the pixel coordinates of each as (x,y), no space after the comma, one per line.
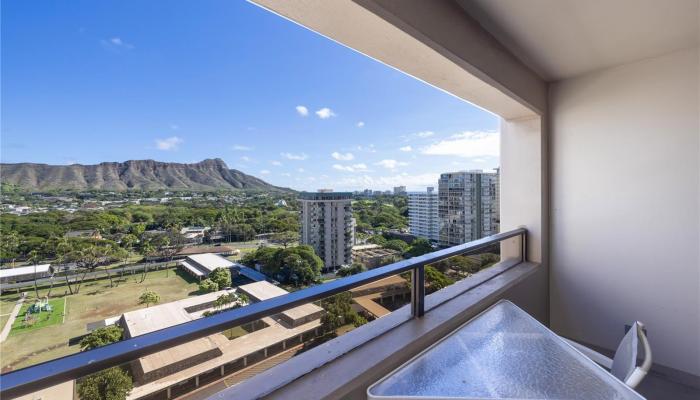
(624,364)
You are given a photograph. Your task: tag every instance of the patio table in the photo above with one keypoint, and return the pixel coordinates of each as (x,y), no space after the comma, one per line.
(502,353)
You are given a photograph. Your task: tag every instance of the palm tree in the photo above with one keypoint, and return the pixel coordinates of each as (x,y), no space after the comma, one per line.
(34,258)
(146,250)
(88,259)
(128,241)
(62,251)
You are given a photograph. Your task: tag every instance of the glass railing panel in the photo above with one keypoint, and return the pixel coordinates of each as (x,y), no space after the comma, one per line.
(124,307)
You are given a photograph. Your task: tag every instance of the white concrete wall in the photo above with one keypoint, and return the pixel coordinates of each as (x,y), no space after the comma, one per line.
(522,191)
(624,218)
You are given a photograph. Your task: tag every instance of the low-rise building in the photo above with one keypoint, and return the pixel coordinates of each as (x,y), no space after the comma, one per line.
(373,255)
(84,234)
(201,265)
(19,274)
(183,368)
(222,250)
(194,234)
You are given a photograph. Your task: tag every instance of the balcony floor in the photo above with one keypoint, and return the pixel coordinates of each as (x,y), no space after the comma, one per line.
(657,387)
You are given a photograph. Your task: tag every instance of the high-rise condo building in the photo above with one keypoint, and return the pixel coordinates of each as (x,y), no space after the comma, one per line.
(399,190)
(467,206)
(327,226)
(423,218)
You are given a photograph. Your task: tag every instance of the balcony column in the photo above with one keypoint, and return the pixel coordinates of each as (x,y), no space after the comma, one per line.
(418,292)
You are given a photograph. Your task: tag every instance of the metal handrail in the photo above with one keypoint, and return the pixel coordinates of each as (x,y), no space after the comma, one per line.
(31,379)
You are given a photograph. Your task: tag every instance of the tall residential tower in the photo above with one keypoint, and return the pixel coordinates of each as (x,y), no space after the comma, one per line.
(423,218)
(468,206)
(327,226)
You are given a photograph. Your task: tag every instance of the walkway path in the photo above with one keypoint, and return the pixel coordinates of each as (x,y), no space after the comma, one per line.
(8,325)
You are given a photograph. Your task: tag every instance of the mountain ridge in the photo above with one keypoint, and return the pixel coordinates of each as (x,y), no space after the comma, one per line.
(207,175)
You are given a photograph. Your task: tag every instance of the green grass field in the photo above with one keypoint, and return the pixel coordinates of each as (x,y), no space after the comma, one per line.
(41,320)
(96,301)
(3,319)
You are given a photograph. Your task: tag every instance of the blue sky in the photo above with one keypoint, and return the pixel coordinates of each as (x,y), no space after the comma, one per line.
(92,81)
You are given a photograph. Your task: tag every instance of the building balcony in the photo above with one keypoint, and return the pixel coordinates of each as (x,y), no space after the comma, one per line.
(599,124)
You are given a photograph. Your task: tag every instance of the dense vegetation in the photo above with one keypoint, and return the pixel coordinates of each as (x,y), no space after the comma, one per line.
(339,312)
(26,233)
(102,336)
(294,265)
(218,279)
(382,213)
(110,384)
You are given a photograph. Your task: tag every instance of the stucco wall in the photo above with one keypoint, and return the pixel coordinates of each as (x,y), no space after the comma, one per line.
(624,196)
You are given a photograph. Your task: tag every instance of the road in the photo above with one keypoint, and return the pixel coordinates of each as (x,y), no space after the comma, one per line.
(99,273)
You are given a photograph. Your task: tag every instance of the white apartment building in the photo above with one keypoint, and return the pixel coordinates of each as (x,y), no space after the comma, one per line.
(327,226)
(399,190)
(467,206)
(423,218)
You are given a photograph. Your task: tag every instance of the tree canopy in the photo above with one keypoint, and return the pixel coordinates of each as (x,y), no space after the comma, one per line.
(221,276)
(339,312)
(419,247)
(149,297)
(353,269)
(110,384)
(208,286)
(296,265)
(102,336)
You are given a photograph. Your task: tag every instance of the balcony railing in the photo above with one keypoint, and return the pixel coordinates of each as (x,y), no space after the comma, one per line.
(37,377)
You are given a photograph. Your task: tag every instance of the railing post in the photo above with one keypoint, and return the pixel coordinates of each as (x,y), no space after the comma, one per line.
(418,291)
(523,247)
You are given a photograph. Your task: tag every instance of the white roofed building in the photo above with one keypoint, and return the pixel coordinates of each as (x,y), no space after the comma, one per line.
(19,274)
(201,265)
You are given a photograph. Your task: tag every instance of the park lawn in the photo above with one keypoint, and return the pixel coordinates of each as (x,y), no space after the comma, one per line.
(96,301)
(3,319)
(43,319)
(7,303)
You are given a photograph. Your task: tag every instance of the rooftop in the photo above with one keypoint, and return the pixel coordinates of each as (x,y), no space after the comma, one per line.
(10,272)
(325,196)
(210,261)
(263,290)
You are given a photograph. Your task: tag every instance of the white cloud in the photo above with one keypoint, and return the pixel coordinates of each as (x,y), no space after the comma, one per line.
(360,124)
(240,147)
(287,174)
(369,148)
(303,111)
(174,127)
(264,172)
(391,164)
(363,181)
(466,144)
(342,156)
(246,159)
(116,43)
(351,168)
(325,113)
(296,157)
(406,148)
(425,134)
(276,163)
(301,170)
(167,144)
